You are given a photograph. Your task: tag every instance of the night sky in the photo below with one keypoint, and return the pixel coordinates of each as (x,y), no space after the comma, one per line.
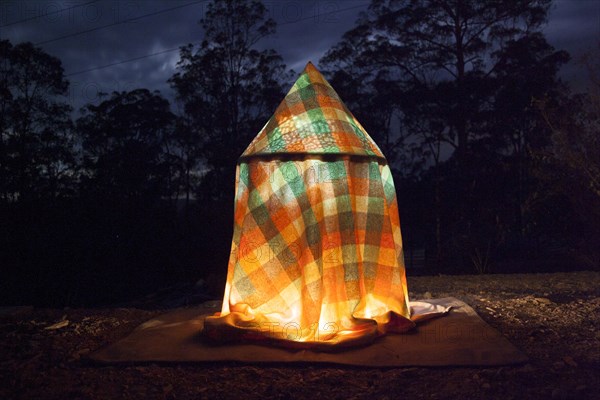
(306,30)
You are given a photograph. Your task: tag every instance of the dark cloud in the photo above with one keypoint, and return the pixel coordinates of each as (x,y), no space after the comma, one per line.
(574,26)
(306,30)
(121,41)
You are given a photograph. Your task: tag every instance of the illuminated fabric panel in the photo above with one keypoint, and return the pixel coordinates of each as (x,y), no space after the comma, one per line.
(312,120)
(316,256)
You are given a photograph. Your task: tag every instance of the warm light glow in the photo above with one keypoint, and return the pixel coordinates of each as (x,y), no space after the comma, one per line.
(316,254)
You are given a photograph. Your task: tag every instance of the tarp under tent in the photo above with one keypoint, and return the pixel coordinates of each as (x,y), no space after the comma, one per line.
(316,257)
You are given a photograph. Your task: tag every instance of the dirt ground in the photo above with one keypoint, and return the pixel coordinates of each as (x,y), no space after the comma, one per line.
(553,318)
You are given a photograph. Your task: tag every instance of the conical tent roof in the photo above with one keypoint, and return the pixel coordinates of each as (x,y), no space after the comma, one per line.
(312,119)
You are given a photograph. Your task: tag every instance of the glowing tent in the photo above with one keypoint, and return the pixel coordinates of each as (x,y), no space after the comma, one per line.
(316,256)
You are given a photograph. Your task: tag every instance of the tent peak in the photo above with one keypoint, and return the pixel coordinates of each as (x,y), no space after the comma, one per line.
(309,65)
(312,119)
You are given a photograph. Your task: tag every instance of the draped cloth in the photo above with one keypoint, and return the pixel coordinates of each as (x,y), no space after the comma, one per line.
(316,256)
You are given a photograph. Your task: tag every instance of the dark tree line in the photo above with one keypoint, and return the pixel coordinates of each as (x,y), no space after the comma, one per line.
(450,91)
(129,196)
(496,162)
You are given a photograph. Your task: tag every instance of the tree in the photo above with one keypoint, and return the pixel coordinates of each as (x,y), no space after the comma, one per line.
(126,179)
(438,42)
(526,71)
(36,155)
(228,87)
(184,156)
(123,140)
(569,164)
(453,67)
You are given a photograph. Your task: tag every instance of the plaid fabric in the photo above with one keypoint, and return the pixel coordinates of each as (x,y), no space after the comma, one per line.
(312,120)
(316,255)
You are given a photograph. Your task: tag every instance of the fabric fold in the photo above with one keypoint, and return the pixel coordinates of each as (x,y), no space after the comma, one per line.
(315,255)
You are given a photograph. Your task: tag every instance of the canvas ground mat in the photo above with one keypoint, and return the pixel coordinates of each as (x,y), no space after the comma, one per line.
(459,338)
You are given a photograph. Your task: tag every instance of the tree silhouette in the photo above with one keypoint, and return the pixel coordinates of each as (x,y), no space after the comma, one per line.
(228,87)
(570,163)
(460,76)
(442,43)
(127,242)
(36,154)
(38,168)
(183,153)
(526,70)
(123,141)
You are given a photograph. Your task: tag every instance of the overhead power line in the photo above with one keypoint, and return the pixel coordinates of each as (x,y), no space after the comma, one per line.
(119,22)
(177,48)
(123,61)
(326,13)
(49,13)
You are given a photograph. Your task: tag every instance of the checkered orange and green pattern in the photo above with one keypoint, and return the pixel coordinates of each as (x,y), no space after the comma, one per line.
(312,119)
(316,257)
